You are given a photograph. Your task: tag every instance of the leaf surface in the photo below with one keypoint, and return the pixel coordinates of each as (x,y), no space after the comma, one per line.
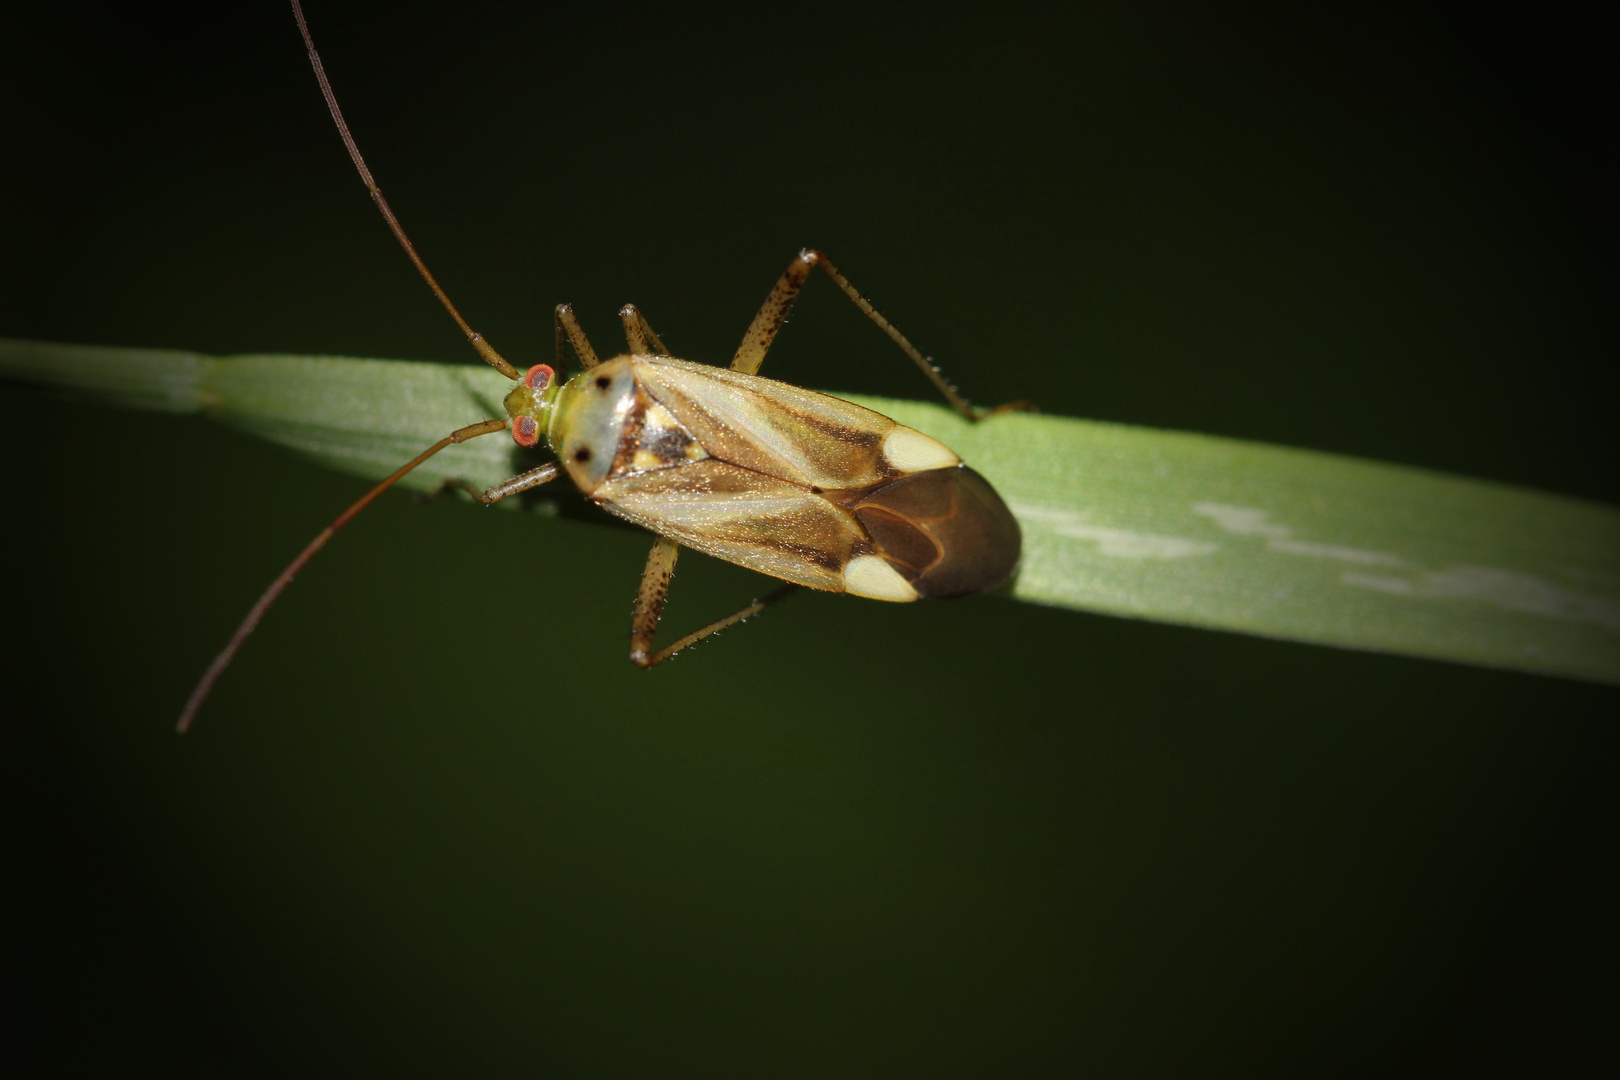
(1171,526)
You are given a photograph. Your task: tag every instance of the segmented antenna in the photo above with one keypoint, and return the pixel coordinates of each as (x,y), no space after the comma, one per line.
(471,431)
(485,349)
(278,586)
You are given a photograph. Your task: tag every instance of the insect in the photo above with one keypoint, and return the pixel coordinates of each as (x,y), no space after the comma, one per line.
(813,490)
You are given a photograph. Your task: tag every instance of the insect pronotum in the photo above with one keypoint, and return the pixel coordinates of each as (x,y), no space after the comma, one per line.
(805,487)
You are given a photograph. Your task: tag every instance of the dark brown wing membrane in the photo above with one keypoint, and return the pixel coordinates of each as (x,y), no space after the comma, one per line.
(946,530)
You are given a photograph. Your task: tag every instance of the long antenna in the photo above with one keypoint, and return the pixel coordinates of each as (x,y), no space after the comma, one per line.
(485,349)
(223,660)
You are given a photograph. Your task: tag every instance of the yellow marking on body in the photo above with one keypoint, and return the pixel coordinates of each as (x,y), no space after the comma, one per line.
(658,419)
(872,577)
(911,451)
(660,442)
(667,439)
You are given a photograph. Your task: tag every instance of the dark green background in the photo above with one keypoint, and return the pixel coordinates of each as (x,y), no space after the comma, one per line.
(433,822)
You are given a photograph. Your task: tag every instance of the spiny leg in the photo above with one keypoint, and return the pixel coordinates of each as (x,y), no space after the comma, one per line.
(520,483)
(762,331)
(506,488)
(567,328)
(650,599)
(639,332)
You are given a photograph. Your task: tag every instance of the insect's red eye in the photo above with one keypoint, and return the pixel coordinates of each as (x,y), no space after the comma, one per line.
(525,432)
(539,377)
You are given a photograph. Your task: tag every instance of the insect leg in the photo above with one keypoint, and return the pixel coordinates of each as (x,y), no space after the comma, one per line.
(449,483)
(566,327)
(650,599)
(639,332)
(518,484)
(762,331)
(489,496)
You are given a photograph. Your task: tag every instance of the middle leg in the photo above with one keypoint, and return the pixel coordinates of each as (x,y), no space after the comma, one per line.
(522,482)
(650,600)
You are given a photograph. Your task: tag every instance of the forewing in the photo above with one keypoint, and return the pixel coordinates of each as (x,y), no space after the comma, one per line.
(770,428)
(741,516)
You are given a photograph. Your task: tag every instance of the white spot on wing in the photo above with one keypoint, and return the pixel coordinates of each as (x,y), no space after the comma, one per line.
(911,451)
(875,579)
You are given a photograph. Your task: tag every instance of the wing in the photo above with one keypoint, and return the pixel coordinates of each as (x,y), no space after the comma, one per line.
(771,428)
(741,516)
(804,487)
(945,532)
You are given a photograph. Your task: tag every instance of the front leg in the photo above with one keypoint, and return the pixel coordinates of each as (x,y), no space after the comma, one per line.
(638,332)
(520,483)
(490,496)
(566,329)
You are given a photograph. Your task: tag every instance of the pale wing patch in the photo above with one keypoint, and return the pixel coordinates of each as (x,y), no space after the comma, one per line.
(742,517)
(911,451)
(793,434)
(871,577)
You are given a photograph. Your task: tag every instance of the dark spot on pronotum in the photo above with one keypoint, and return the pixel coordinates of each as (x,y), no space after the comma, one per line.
(582,455)
(815,490)
(603,382)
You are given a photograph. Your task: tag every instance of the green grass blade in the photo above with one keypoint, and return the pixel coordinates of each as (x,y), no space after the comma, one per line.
(1163,525)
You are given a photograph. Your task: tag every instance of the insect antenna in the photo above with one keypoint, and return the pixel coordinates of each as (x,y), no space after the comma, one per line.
(223,660)
(471,431)
(485,349)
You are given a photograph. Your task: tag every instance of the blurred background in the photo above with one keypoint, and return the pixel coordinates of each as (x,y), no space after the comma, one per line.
(434,822)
